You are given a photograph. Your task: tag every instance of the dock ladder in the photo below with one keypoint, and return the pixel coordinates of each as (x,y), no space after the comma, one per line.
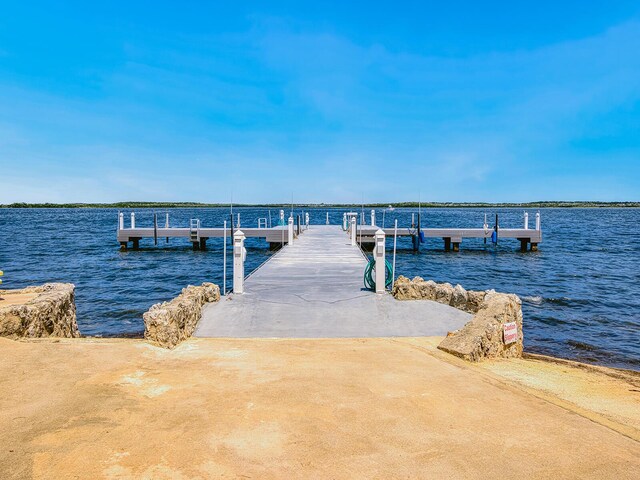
(194,226)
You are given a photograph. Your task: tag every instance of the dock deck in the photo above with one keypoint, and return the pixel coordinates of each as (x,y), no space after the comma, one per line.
(453,236)
(277,236)
(313,288)
(198,237)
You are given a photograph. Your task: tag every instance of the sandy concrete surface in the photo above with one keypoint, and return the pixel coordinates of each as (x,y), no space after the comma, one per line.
(330,408)
(7,298)
(613,395)
(607,396)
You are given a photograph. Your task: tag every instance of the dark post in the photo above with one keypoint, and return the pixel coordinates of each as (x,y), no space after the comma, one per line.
(417,246)
(447,244)
(523,244)
(155,229)
(231,231)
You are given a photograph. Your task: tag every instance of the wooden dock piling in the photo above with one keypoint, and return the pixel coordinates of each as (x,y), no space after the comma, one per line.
(523,244)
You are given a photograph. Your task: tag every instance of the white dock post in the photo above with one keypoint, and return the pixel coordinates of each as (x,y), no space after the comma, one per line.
(239,254)
(282,217)
(381,267)
(166,221)
(306,219)
(353,230)
(133,220)
(538,221)
(238,225)
(344,222)
(290,240)
(373,218)
(526,220)
(121,221)
(327,218)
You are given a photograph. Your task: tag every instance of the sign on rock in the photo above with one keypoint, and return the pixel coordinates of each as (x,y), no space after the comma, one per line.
(510,331)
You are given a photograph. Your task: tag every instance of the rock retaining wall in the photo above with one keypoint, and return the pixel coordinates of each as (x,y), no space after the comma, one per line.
(421,289)
(51,313)
(483,336)
(169,323)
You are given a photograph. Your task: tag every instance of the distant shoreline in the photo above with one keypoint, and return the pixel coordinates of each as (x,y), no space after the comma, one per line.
(541,204)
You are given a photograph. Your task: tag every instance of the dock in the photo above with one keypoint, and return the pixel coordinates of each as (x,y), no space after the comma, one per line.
(198,235)
(313,288)
(452,237)
(286,231)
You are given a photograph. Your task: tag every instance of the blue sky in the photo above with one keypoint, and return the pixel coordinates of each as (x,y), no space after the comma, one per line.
(330,102)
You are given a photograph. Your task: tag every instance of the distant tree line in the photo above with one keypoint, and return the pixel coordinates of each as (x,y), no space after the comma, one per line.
(158,205)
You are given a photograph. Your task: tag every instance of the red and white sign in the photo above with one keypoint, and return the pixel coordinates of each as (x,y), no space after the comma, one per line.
(510,331)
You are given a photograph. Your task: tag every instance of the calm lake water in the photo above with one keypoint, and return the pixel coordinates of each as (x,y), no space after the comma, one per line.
(580,291)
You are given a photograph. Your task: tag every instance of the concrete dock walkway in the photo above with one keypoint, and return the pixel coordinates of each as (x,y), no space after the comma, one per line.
(314,289)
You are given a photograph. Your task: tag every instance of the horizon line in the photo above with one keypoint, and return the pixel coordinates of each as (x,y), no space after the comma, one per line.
(152,204)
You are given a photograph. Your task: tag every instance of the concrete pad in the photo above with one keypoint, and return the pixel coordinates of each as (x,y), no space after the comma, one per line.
(331,408)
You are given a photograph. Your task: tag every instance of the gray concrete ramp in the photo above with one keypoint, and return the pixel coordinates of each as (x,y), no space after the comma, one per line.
(314,289)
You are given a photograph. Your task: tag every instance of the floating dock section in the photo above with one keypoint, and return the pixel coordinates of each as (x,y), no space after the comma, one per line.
(198,235)
(452,237)
(285,232)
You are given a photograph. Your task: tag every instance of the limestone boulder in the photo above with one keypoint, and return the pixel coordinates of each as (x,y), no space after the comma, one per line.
(169,323)
(444,293)
(474,300)
(482,337)
(427,289)
(48,311)
(459,298)
(405,289)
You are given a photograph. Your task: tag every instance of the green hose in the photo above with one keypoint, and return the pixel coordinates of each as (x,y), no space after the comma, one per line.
(369,282)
